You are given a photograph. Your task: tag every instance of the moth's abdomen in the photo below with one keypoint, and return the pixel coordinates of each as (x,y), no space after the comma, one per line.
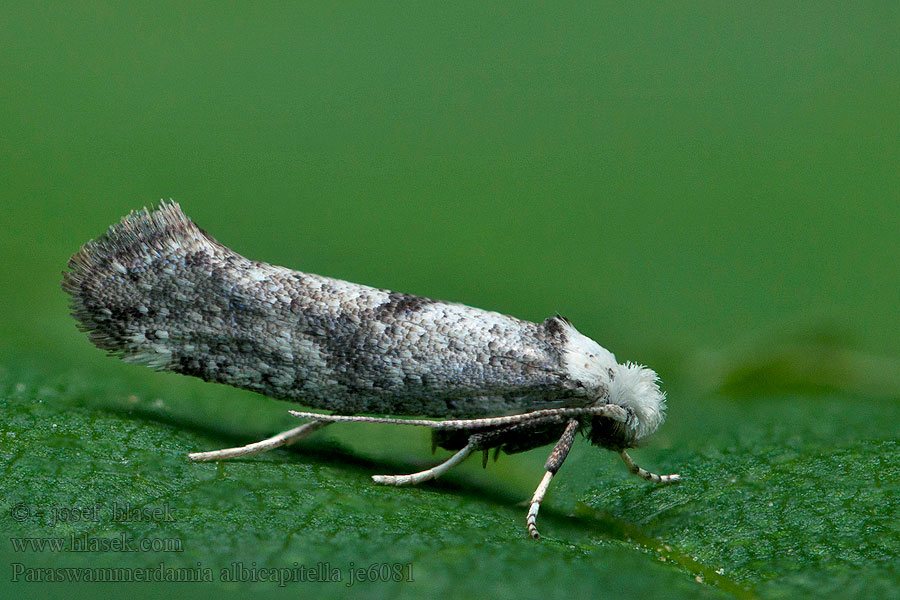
(157,290)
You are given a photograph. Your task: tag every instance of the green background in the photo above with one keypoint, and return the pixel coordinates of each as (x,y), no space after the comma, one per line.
(707,188)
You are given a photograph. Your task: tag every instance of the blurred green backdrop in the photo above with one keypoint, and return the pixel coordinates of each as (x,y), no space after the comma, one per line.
(709,188)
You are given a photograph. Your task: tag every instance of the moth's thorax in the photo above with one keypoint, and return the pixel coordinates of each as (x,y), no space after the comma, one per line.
(631,386)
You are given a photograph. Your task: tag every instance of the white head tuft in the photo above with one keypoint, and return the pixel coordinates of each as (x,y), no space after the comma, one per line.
(637,387)
(628,385)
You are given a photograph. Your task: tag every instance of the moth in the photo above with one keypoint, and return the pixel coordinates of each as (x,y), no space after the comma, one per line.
(159,291)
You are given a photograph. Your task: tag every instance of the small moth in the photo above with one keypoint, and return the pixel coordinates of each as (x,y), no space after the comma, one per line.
(159,291)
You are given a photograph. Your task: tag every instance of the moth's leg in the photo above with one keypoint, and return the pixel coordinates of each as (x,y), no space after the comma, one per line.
(431,473)
(282,439)
(643,474)
(554,462)
(477,441)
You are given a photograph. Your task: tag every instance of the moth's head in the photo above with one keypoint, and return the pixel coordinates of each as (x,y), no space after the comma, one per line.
(636,389)
(633,387)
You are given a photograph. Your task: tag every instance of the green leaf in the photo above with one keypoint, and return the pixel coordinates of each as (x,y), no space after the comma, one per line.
(781,495)
(71,446)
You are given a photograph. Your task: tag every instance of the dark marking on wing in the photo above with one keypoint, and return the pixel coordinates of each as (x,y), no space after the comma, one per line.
(399,303)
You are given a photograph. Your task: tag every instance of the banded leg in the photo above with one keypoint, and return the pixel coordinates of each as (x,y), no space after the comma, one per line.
(282,439)
(495,438)
(647,475)
(554,462)
(428,474)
